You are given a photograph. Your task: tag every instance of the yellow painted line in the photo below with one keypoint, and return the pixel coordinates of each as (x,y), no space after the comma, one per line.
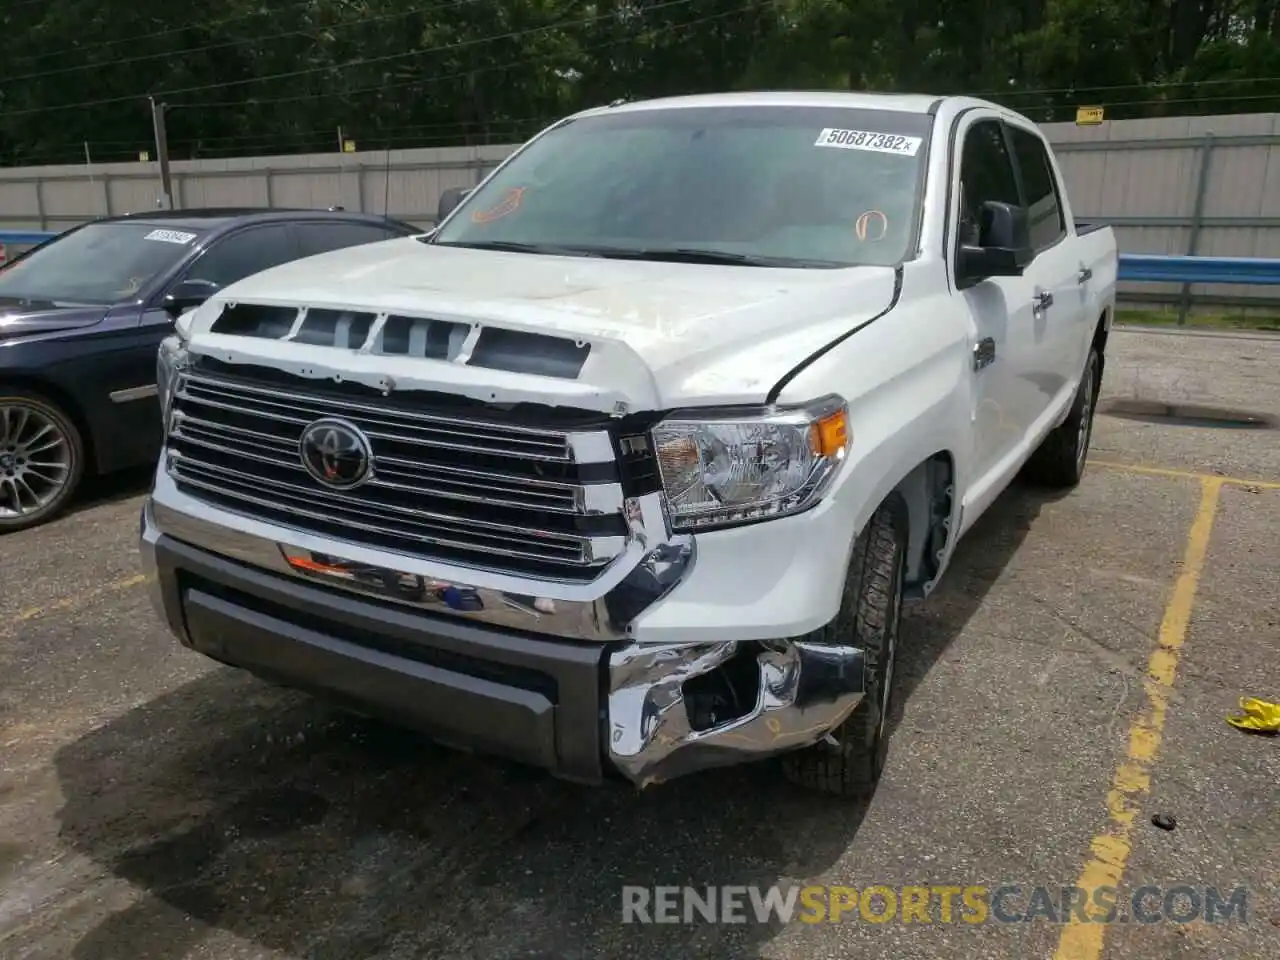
(75,600)
(1186,474)
(1132,779)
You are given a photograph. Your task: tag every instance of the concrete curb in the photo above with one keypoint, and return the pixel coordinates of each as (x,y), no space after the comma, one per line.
(1220,334)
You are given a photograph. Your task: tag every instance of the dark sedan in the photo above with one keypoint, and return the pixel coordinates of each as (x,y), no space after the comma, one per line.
(82,315)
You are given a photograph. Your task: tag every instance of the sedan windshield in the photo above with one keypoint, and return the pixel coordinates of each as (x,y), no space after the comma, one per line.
(101,263)
(754,186)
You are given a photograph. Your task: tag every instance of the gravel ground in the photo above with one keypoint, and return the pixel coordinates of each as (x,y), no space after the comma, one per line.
(154,804)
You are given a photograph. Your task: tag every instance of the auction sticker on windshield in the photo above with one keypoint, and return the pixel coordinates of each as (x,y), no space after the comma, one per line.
(170,236)
(868,140)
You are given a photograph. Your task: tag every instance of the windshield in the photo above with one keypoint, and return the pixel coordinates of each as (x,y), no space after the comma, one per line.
(101,263)
(773,186)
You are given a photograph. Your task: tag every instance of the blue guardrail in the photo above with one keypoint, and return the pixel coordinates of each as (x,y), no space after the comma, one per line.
(27,238)
(1152,268)
(1134,267)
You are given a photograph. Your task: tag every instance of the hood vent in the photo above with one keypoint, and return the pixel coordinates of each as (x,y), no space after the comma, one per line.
(334,328)
(421,337)
(255,320)
(519,352)
(493,348)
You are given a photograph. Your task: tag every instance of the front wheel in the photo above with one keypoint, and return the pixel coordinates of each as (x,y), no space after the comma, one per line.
(1060,459)
(869,616)
(41,459)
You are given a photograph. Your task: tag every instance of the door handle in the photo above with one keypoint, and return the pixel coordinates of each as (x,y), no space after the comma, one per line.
(984,353)
(1044,300)
(1085,275)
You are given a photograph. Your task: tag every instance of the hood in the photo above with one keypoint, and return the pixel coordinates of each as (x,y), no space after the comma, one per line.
(25,318)
(661,335)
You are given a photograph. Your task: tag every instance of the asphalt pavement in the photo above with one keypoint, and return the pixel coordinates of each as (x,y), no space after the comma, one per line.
(1069,682)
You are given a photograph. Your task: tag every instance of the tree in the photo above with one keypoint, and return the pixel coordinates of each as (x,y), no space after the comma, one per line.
(256,77)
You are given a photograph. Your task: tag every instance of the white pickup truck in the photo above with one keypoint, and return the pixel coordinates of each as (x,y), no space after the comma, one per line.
(627,467)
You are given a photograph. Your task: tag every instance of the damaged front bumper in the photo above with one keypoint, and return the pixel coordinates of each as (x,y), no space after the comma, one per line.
(657,730)
(553,682)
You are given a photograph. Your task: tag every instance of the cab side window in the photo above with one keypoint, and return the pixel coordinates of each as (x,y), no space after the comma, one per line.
(245,252)
(1044,210)
(986,173)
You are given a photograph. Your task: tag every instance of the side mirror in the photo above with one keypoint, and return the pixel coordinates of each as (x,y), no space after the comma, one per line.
(1004,244)
(449,201)
(187,294)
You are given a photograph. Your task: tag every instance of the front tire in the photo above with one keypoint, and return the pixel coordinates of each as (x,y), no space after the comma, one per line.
(1060,459)
(869,617)
(41,459)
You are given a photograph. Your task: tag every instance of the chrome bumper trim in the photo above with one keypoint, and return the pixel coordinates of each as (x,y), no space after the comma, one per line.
(653,562)
(805,691)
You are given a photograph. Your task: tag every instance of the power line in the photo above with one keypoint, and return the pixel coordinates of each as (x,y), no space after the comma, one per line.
(413,132)
(357,133)
(374,137)
(1185,100)
(381,134)
(327,132)
(524,61)
(667,29)
(1153,85)
(25,3)
(244,42)
(500,134)
(321,138)
(212,25)
(366,61)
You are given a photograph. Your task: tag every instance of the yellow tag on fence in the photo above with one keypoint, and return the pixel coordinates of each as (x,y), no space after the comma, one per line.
(1089,116)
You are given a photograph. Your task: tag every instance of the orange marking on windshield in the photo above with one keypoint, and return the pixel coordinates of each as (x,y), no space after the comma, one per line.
(507,205)
(864,221)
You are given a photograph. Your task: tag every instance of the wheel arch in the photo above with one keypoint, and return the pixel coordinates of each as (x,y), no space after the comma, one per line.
(33,383)
(1101,332)
(927,496)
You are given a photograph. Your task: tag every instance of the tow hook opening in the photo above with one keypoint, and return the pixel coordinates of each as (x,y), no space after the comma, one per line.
(724,694)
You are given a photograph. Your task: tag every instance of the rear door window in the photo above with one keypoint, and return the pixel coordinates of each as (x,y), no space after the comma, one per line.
(324,235)
(244,253)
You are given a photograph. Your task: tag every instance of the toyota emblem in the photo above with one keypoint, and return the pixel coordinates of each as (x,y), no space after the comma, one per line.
(336,454)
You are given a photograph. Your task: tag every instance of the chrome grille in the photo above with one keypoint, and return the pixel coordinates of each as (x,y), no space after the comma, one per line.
(500,496)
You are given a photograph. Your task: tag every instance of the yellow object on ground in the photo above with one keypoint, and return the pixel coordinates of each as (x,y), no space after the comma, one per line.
(1259,716)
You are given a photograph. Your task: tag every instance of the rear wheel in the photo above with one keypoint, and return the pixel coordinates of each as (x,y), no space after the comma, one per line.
(41,459)
(1060,459)
(869,616)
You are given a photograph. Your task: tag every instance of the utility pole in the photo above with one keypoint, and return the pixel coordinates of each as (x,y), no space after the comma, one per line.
(162,152)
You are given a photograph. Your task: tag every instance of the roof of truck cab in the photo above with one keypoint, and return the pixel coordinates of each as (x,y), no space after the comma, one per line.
(907,102)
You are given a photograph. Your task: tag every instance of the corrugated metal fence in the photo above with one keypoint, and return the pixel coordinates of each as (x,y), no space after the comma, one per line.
(1181,185)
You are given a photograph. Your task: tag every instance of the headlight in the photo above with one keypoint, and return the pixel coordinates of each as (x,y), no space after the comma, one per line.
(725,469)
(170,361)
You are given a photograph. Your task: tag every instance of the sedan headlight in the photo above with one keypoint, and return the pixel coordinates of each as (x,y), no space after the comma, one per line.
(170,361)
(731,468)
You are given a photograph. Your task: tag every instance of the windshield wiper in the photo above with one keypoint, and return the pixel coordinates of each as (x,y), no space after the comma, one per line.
(511,246)
(695,255)
(662,254)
